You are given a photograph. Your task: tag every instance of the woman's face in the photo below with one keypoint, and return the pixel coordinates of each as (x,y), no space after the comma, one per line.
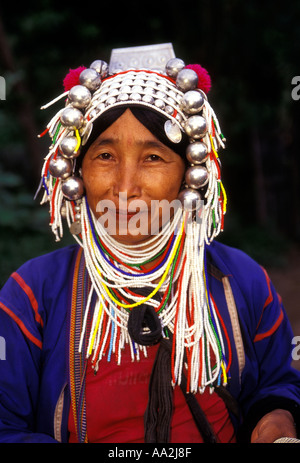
(127,173)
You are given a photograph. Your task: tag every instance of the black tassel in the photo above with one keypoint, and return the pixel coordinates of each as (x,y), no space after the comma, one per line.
(199,416)
(144,326)
(158,415)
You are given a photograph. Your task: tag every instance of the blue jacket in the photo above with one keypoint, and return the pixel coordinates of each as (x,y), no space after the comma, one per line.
(34,321)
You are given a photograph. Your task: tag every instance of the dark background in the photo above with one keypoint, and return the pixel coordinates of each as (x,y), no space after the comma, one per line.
(252,51)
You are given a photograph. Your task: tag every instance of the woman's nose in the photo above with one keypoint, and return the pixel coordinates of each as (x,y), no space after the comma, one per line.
(128,180)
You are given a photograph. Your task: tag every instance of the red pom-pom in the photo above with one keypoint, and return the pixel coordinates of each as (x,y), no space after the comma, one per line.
(72,78)
(204,81)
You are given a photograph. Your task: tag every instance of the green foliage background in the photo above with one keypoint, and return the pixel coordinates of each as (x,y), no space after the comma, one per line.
(251,50)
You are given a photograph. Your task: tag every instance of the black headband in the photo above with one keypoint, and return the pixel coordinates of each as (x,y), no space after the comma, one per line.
(152,120)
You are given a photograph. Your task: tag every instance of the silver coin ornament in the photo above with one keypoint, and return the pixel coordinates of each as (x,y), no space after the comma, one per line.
(186,80)
(192,102)
(90,79)
(87,132)
(101,67)
(173,131)
(68,146)
(174,66)
(190,199)
(75,228)
(60,167)
(196,153)
(73,188)
(196,177)
(79,96)
(72,117)
(196,126)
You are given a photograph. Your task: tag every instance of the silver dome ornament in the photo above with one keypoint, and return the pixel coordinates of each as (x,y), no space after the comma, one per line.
(72,117)
(90,79)
(169,110)
(68,146)
(190,199)
(186,80)
(73,188)
(101,67)
(192,102)
(60,167)
(174,66)
(110,101)
(195,126)
(123,97)
(196,153)
(160,104)
(135,97)
(79,96)
(148,99)
(196,177)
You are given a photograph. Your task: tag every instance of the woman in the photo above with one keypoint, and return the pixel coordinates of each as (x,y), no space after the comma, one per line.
(147,330)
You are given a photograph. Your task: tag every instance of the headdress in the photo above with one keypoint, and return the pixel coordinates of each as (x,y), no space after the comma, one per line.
(154,78)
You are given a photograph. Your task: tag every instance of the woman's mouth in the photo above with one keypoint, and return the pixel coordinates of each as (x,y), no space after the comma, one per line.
(124,214)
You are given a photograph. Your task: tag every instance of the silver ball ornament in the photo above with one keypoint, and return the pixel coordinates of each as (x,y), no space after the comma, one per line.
(72,117)
(174,66)
(190,199)
(195,126)
(63,210)
(187,79)
(192,102)
(79,96)
(73,188)
(60,167)
(196,153)
(196,177)
(67,147)
(90,79)
(101,67)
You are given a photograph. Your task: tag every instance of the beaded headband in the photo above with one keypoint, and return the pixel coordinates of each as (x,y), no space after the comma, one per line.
(164,84)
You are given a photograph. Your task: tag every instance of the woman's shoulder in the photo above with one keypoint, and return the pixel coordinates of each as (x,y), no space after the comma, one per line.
(241,269)
(247,278)
(230,259)
(58,255)
(49,268)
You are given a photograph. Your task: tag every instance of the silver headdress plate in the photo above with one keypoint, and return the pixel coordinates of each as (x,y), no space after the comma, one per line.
(152,57)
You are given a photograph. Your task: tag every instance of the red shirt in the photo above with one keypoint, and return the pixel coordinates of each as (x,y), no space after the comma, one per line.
(117,397)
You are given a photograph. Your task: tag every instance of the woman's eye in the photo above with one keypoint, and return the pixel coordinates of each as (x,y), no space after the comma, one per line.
(104,156)
(154,157)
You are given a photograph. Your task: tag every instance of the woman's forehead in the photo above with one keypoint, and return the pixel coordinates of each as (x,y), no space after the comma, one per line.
(129,130)
(138,124)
